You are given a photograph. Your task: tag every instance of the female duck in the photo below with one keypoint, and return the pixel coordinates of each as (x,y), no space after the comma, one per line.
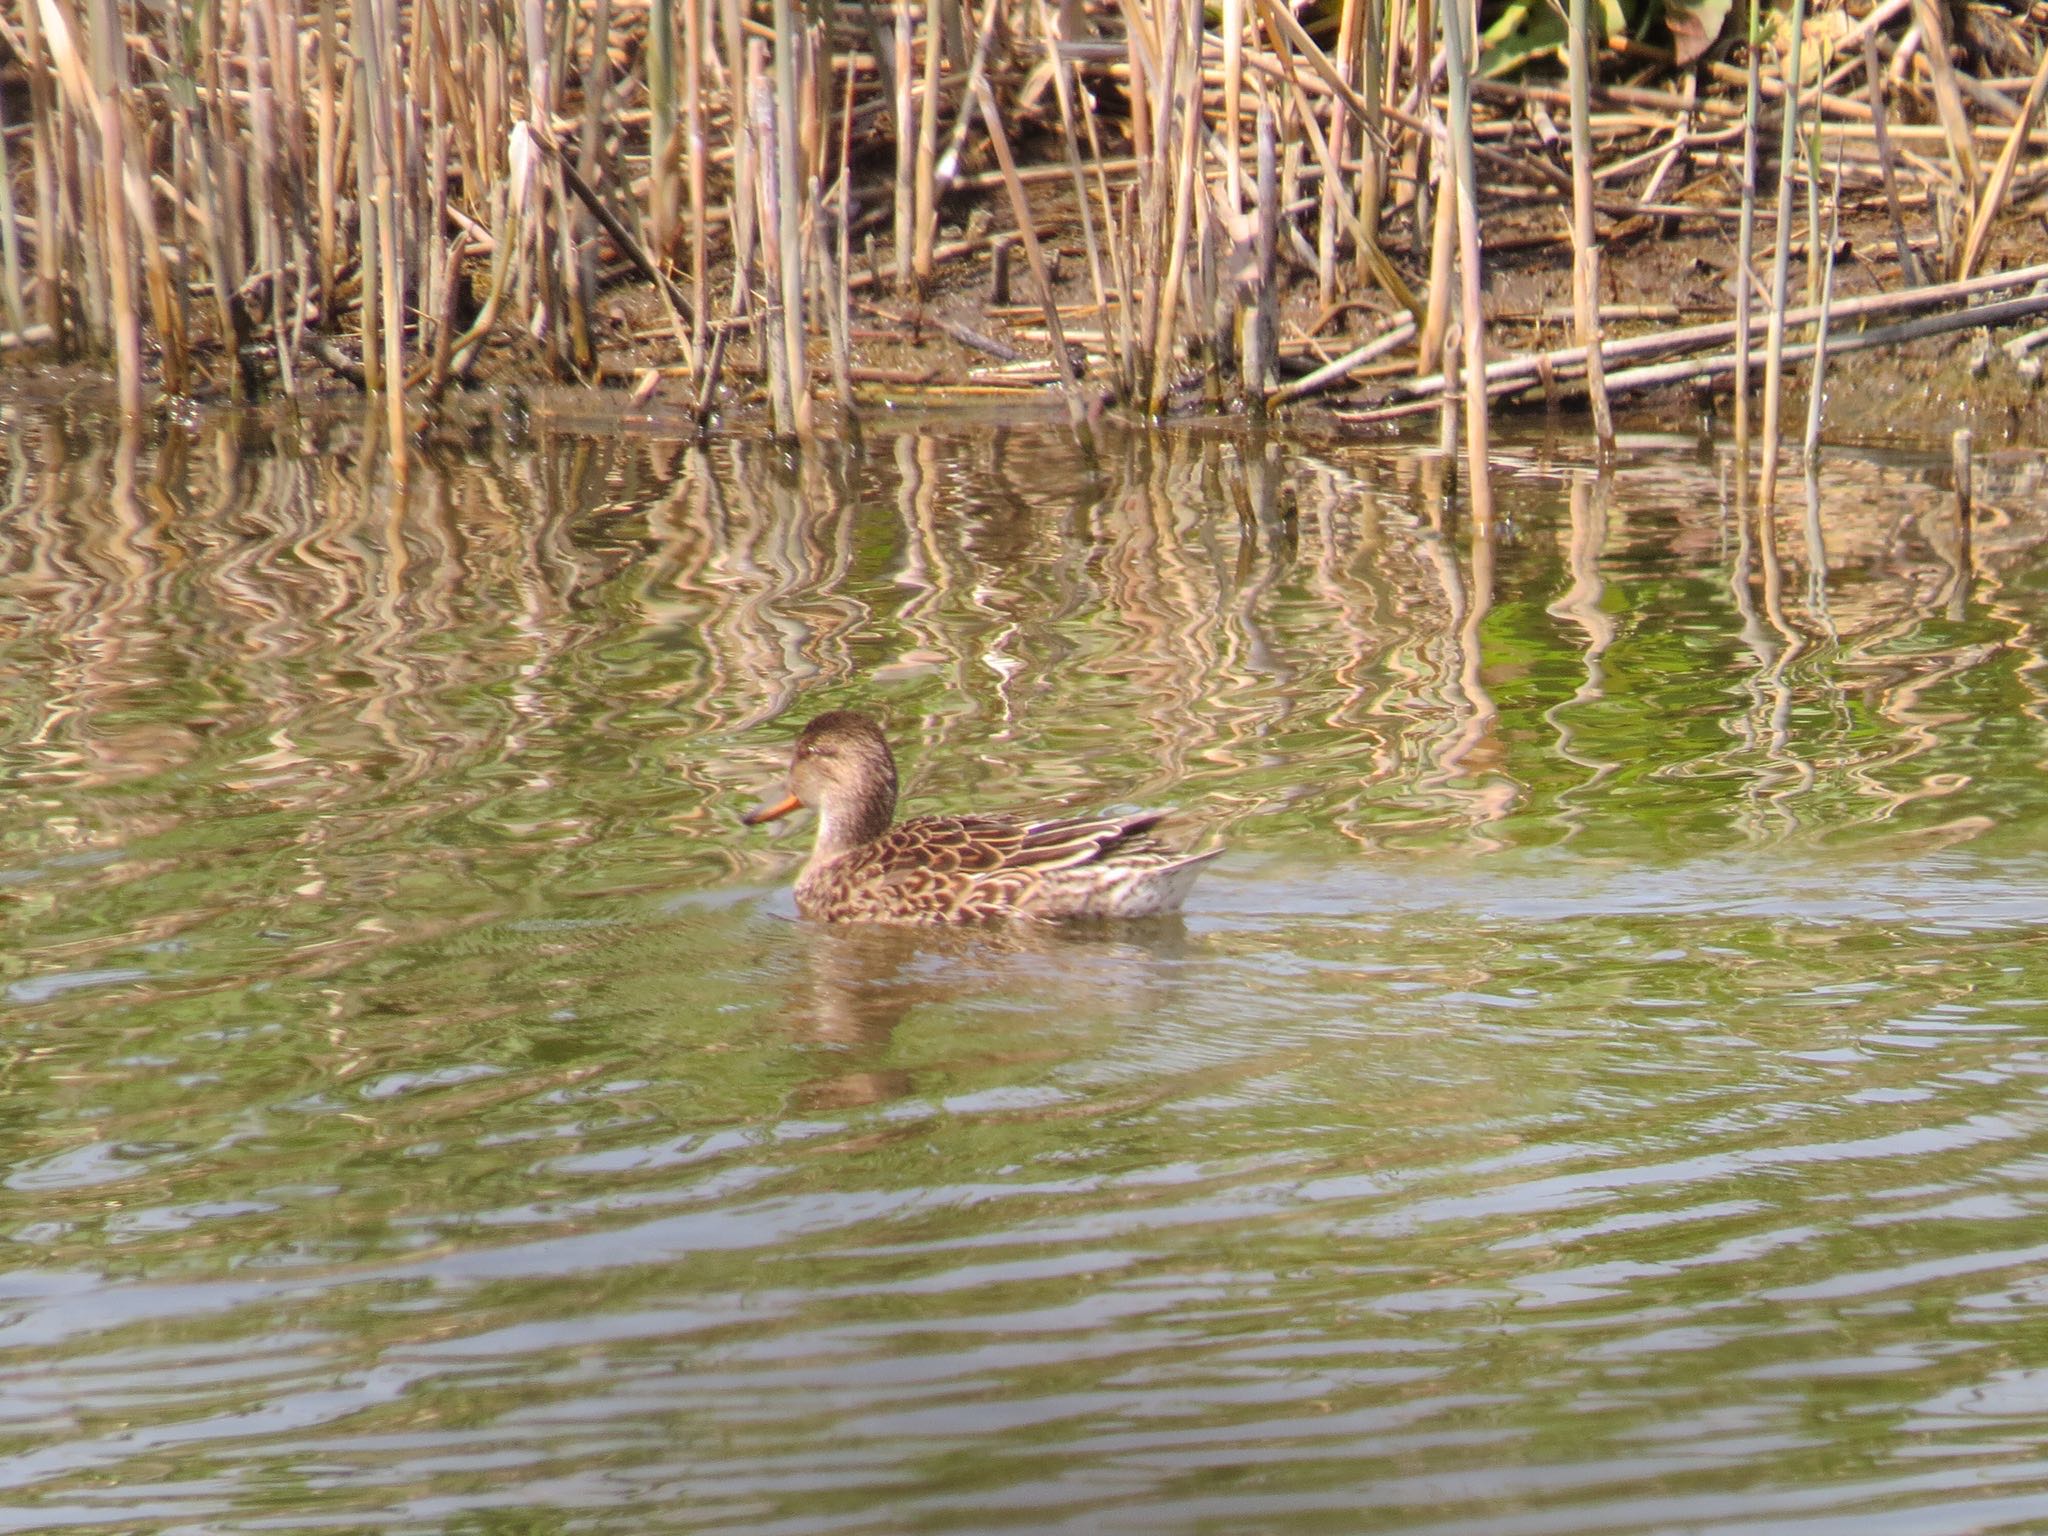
(865,867)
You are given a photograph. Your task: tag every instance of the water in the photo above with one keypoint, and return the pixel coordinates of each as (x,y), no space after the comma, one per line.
(1601,1089)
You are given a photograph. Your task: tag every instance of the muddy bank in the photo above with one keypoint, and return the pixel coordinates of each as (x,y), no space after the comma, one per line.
(963,348)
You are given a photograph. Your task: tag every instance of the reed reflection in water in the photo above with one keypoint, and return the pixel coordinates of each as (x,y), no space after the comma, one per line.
(1251,628)
(1599,1089)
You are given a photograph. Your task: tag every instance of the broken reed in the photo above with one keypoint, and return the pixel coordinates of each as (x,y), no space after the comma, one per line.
(391,186)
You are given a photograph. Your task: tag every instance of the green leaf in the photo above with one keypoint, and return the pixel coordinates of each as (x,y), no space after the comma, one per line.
(1694,24)
(1522,31)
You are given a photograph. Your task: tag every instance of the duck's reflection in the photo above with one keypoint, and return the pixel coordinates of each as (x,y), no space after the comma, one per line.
(859,983)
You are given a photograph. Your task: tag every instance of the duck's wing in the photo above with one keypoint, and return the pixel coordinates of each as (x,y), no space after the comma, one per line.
(962,868)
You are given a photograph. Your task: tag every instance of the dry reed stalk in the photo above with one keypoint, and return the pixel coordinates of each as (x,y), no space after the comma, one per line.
(1447,404)
(664,189)
(167,311)
(1460,30)
(223,278)
(1233,105)
(952,30)
(1372,173)
(1948,96)
(1993,200)
(1774,364)
(828,226)
(1187,289)
(1816,387)
(1063,92)
(376,37)
(557,320)
(86,219)
(1677,145)
(528,203)
(1259,344)
(43,108)
(694,142)
(1334,190)
(1336,203)
(1152,96)
(267,252)
(441,274)
(264,181)
(1020,210)
(1282,21)
(789,229)
(840,300)
(369,315)
(220,131)
(166,305)
(1350,68)
(108,88)
(1429,340)
(946,174)
(76,99)
(324,158)
(1585,253)
(745,220)
(1117,231)
(1415,164)
(1182,60)
(1811,143)
(925,214)
(1140,67)
(1372,260)
(1909,262)
(768,194)
(243,146)
(906,150)
(440,363)
(672,298)
(579,248)
(11,291)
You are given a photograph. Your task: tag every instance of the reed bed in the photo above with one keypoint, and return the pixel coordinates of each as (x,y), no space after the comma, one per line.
(1227,208)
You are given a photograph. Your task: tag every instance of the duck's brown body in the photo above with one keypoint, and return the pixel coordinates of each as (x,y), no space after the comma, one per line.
(949,869)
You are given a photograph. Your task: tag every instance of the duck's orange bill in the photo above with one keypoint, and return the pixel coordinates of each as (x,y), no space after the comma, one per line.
(771,812)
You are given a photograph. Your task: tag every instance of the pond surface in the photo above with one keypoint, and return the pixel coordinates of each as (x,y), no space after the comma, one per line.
(1603,1087)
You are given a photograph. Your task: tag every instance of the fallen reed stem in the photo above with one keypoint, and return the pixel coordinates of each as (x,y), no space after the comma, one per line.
(1509,376)
(1698,369)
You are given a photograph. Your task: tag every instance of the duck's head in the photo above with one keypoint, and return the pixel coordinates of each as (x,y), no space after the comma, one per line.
(843,768)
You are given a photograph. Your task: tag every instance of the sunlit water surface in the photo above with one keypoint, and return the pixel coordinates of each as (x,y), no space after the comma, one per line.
(1601,1088)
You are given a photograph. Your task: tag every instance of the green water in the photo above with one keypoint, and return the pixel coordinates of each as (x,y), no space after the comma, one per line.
(1600,1089)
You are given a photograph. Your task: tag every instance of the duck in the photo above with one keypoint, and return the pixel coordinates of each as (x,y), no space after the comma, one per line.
(865,866)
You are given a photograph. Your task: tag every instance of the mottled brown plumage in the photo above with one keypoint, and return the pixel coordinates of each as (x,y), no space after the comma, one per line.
(865,867)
